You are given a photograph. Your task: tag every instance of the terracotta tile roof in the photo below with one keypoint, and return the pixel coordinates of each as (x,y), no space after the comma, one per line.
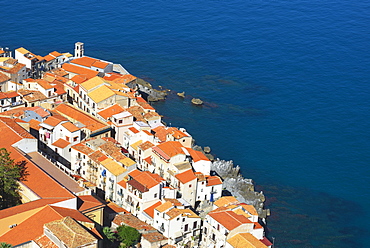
(213,180)
(96,155)
(245,240)
(152,115)
(116,209)
(19,131)
(70,232)
(90,62)
(174,202)
(79,79)
(34,124)
(134,130)
(144,180)
(70,127)
(52,121)
(147,133)
(56,54)
(11,94)
(4,78)
(49,57)
(250,208)
(22,50)
(89,203)
(169,246)
(112,110)
(132,221)
(100,64)
(31,95)
(200,176)
(123,183)
(225,201)
(229,219)
(40,111)
(176,133)
(100,94)
(91,123)
(83,148)
(44,242)
(59,71)
(154,237)
(61,143)
(165,206)
(22,232)
(169,149)
(148,160)
(112,166)
(186,176)
(197,155)
(119,78)
(79,70)
(146,145)
(17,112)
(15,69)
(160,133)
(137,112)
(173,213)
(150,210)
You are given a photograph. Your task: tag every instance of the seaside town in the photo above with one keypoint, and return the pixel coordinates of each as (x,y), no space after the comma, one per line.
(102,169)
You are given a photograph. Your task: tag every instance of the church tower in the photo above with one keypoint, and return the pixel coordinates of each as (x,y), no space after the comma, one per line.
(79,49)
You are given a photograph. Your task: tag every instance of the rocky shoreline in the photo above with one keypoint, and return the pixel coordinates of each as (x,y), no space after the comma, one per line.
(233,181)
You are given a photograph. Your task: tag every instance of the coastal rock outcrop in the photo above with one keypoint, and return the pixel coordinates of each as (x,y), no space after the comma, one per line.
(238,186)
(181,94)
(196,101)
(147,90)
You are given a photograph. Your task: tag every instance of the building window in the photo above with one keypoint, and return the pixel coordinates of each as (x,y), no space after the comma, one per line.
(189,185)
(195,224)
(75,139)
(155,195)
(67,138)
(186,228)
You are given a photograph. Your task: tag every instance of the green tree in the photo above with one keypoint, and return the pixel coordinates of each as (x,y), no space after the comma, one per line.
(128,236)
(10,174)
(111,236)
(5,245)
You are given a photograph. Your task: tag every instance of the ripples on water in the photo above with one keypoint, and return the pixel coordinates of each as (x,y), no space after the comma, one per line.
(285,85)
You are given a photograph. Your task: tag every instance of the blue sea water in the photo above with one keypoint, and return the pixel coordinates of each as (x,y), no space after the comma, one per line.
(285,85)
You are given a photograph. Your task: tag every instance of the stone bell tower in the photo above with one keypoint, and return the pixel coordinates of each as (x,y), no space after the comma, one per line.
(79,49)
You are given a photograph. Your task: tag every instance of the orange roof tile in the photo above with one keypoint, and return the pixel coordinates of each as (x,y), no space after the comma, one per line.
(132,221)
(56,54)
(89,203)
(34,124)
(134,130)
(79,70)
(169,149)
(245,240)
(70,127)
(22,232)
(52,121)
(186,176)
(61,143)
(150,210)
(146,145)
(229,219)
(197,155)
(226,200)
(165,206)
(213,180)
(71,112)
(112,110)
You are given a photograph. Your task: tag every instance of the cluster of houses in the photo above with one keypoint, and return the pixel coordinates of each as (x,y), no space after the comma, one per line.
(98,155)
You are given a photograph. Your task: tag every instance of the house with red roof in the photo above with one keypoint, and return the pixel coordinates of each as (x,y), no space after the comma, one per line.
(166,154)
(209,188)
(140,191)
(177,223)
(230,218)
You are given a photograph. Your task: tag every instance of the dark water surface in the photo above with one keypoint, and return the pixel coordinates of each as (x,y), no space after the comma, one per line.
(286,86)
